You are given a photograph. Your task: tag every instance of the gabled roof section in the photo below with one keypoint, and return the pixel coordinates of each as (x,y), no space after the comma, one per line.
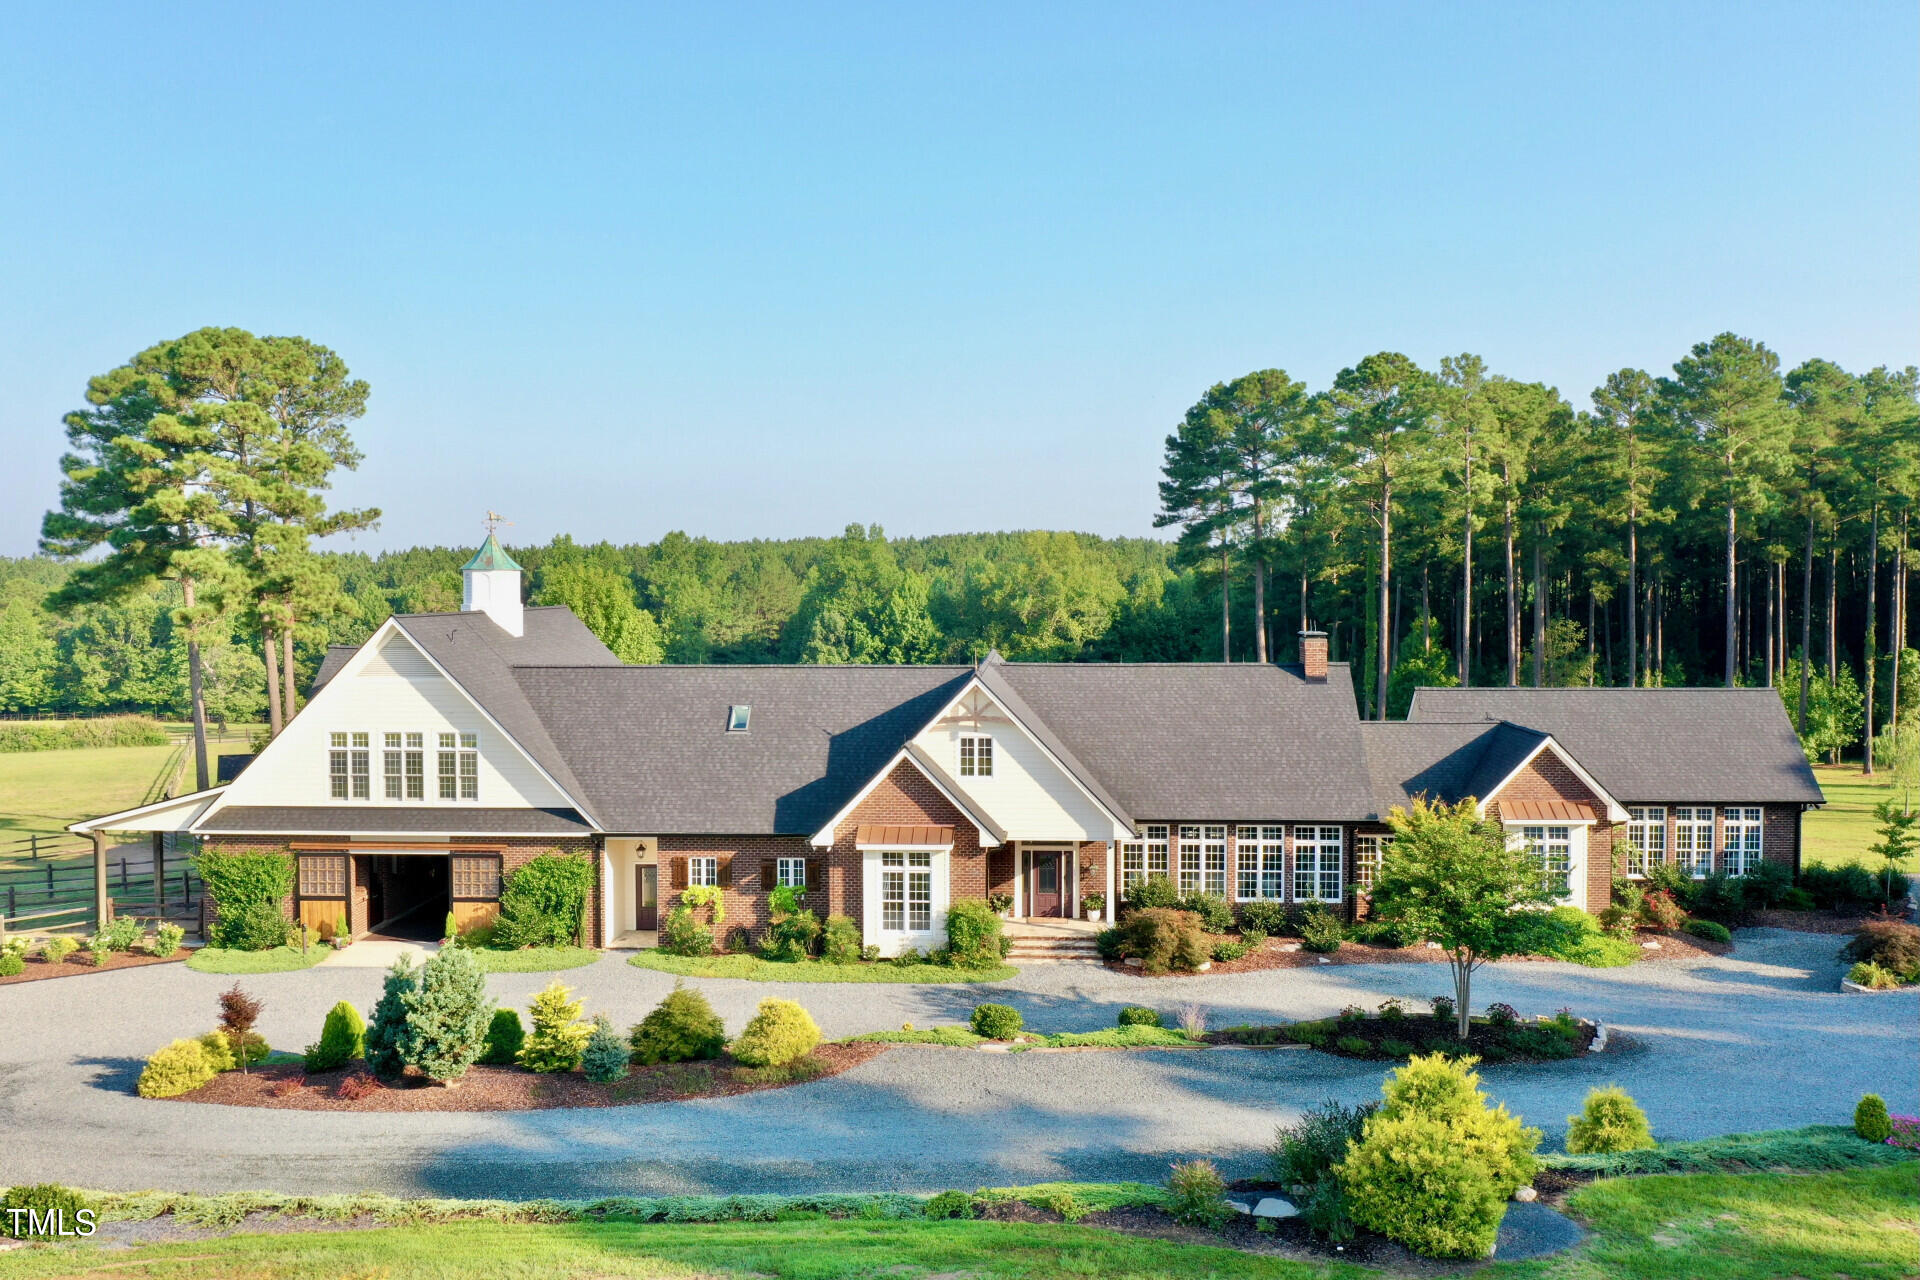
(1199,740)
(1447,763)
(491,555)
(992,675)
(1715,746)
(336,657)
(175,814)
(480,656)
(650,747)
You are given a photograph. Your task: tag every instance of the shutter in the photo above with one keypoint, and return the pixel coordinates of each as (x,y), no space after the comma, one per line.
(770,874)
(723,872)
(816,876)
(678,872)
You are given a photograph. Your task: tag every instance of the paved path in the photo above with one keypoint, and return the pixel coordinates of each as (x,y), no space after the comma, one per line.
(1759,1040)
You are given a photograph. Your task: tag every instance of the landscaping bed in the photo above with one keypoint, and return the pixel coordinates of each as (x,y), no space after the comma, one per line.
(39,967)
(953,1037)
(485,1088)
(1503,1037)
(752,968)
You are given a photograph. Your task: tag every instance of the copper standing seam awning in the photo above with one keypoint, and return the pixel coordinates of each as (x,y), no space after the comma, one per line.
(1546,811)
(898,837)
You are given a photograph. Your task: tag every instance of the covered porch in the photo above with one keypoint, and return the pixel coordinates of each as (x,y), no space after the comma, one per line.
(167,824)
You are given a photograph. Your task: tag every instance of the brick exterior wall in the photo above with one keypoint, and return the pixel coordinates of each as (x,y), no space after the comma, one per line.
(1547,777)
(1779,829)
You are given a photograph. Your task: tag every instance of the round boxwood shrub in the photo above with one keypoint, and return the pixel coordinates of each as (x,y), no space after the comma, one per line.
(11,965)
(1610,1121)
(607,1054)
(1410,1179)
(343,1037)
(950,1204)
(1711,930)
(995,1021)
(682,1028)
(777,1034)
(1870,1119)
(177,1068)
(505,1035)
(252,926)
(1134,1015)
(56,1207)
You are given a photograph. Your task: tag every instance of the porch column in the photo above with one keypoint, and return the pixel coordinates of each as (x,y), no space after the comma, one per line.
(1110,903)
(102,904)
(160,873)
(1019,883)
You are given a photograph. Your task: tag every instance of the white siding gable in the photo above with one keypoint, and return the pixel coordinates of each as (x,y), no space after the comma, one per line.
(1028,795)
(394,689)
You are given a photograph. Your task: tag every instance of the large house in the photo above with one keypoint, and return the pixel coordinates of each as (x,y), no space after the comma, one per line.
(449,749)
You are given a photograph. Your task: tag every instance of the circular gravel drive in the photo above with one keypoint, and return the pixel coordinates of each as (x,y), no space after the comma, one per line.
(1761,1039)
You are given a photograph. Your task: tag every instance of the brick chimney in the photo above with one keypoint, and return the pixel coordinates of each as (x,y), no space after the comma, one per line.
(1313,655)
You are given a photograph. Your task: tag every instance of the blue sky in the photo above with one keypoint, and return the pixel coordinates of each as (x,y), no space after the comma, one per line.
(763,271)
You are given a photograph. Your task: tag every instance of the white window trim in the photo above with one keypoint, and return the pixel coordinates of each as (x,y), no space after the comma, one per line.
(781,866)
(1260,848)
(1703,831)
(1655,857)
(1319,846)
(1731,854)
(711,866)
(982,752)
(1381,842)
(1578,843)
(893,941)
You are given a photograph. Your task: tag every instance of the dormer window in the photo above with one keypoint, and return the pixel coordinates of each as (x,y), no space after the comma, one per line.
(976,757)
(737,717)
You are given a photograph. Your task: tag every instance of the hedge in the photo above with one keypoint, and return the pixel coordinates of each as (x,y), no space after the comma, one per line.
(66,735)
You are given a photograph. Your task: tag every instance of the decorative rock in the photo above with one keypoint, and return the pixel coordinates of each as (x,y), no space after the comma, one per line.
(1599,1038)
(1275,1207)
(1204,966)
(1324,960)
(1238,1206)
(1649,946)
(1135,961)
(1526,1195)
(1433,946)
(1290,946)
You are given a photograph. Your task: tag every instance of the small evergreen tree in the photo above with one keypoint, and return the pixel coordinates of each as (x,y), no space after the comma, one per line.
(505,1035)
(343,1037)
(606,1056)
(447,1016)
(558,1037)
(386,1035)
(682,1027)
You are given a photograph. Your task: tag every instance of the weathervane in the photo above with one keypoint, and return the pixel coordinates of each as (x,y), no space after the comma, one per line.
(494,520)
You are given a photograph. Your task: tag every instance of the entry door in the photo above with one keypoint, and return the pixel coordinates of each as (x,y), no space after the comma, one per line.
(646,897)
(1046,883)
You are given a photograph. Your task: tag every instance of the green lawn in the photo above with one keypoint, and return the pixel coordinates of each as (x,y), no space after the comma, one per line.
(43,791)
(754,969)
(1135,1037)
(1841,832)
(276,960)
(535,959)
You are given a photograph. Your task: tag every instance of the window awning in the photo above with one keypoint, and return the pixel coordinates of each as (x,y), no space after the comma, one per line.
(900,837)
(1546,811)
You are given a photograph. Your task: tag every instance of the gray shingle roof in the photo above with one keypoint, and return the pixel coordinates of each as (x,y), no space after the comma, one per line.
(1701,745)
(651,748)
(481,655)
(330,664)
(1443,762)
(257,819)
(1207,740)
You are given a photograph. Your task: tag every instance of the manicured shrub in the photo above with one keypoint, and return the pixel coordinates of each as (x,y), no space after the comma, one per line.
(1767,884)
(385,1040)
(606,1056)
(1354,1045)
(1711,930)
(541,902)
(1870,1119)
(12,966)
(1894,945)
(791,936)
(1375,933)
(682,935)
(1659,910)
(1721,897)
(166,938)
(950,1204)
(343,1037)
(840,940)
(57,948)
(505,1035)
(450,929)
(973,934)
(1797,899)
(1873,977)
(1409,1180)
(447,1016)
(995,1021)
(559,1036)
(1610,1121)
(778,1033)
(1448,1089)
(1163,939)
(1134,1015)
(1226,951)
(1269,918)
(1306,1151)
(1155,891)
(177,1068)
(1197,1194)
(1214,911)
(46,1209)
(247,889)
(1320,931)
(682,1028)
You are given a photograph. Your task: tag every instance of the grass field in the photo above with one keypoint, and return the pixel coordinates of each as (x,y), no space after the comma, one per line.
(43,791)
(1843,830)
(1758,1226)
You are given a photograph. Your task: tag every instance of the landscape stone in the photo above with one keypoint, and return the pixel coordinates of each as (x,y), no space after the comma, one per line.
(1275,1207)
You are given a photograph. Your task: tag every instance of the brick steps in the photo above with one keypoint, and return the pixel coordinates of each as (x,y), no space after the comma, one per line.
(1074,948)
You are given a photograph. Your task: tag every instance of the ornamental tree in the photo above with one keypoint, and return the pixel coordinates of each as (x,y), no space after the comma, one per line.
(447,1016)
(1450,876)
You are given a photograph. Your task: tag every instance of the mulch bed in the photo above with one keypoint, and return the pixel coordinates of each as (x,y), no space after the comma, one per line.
(1674,946)
(1427,1034)
(516,1089)
(1288,1239)
(1835,921)
(82,962)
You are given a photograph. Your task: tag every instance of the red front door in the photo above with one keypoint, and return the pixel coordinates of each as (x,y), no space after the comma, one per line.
(646,897)
(1046,883)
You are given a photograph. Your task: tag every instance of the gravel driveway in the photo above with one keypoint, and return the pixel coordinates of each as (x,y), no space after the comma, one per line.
(1761,1039)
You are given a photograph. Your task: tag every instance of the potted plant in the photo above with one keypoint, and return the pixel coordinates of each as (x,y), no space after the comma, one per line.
(342,935)
(1094,905)
(1001,904)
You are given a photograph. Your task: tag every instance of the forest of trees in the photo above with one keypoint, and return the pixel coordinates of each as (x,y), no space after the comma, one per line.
(1714,525)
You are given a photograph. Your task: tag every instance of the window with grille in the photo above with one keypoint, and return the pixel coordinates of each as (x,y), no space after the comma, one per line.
(1741,831)
(1368,853)
(1260,855)
(403,766)
(323,875)
(1553,847)
(459,772)
(1647,838)
(476,877)
(1693,841)
(703,871)
(350,766)
(1316,864)
(1189,855)
(906,890)
(1133,863)
(337,771)
(976,757)
(791,872)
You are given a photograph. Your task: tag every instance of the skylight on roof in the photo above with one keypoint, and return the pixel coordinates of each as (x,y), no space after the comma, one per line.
(737,717)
